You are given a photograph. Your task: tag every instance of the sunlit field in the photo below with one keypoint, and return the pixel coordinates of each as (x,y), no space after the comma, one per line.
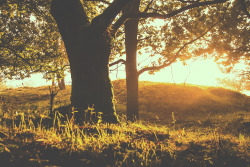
(179,125)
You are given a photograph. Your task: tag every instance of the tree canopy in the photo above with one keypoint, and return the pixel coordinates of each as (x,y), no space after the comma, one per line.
(220,29)
(29,39)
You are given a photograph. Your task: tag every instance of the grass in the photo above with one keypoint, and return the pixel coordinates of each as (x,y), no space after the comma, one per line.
(190,104)
(180,126)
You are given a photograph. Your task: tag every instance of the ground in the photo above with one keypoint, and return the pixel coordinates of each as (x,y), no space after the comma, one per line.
(180,126)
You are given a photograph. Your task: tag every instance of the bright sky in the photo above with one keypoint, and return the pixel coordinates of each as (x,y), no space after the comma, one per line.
(199,72)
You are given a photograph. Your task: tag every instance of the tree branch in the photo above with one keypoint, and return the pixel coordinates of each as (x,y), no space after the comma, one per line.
(167,62)
(244,8)
(99,1)
(118,24)
(171,14)
(117,62)
(17,55)
(124,17)
(26,61)
(194,1)
(143,38)
(148,6)
(104,20)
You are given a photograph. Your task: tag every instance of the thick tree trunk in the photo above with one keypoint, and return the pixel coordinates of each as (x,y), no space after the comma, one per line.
(131,30)
(88,54)
(91,86)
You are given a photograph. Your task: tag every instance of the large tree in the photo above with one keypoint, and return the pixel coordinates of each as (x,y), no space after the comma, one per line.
(88,46)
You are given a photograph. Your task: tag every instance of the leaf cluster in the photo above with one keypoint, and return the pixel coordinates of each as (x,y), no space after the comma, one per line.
(29,39)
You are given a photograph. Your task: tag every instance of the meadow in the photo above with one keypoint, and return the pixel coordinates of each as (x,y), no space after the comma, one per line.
(179,125)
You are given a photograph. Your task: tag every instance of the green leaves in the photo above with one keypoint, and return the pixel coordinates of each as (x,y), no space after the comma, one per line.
(29,40)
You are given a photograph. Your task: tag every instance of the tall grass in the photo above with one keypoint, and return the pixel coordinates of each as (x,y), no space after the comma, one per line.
(124,144)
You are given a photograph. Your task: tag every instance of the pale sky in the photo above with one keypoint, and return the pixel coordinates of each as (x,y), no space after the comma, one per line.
(199,72)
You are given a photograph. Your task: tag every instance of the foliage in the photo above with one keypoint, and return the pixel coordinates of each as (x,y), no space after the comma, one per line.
(29,40)
(235,84)
(241,80)
(219,29)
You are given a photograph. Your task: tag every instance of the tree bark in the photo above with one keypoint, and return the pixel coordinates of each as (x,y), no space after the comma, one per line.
(88,52)
(53,80)
(131,29)
(91,86)
(61,83)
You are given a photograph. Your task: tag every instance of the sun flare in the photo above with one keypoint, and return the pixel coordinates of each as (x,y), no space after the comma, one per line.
(200,72)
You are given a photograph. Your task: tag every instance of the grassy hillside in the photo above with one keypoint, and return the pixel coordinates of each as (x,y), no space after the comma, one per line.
(190,104)
(180,126)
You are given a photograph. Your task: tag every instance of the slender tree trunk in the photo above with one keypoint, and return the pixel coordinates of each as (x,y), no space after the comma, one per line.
(88,54)
(53,80)
(131,30)
(61,82)
(62,85)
